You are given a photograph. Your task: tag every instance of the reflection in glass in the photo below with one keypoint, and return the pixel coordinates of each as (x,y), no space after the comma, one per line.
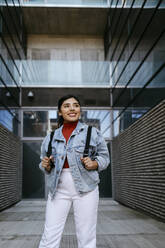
(116,125)
(137,3)
(52,120)
(159,80)
(11,42)
(98,118)
(9,121)
(123,121)
(35,123)
(38,123)
(5,73)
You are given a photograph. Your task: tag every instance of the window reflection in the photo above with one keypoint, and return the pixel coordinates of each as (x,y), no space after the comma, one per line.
(11,42)
(9,121)
(35,123)
(126,119)
(38,123)
(98,118)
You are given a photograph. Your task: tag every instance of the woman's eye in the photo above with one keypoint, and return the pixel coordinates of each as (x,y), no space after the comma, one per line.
(75,106)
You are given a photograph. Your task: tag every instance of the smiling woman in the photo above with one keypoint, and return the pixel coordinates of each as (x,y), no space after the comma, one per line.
(72,179)
(69,110)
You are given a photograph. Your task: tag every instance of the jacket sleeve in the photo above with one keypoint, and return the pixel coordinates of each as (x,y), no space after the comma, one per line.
(102,153)
(44,147)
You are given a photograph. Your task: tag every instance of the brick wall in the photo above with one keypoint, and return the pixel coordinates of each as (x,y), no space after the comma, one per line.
(138,163)
(10,168)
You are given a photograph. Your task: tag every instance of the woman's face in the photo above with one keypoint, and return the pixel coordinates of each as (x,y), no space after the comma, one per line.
(70,110)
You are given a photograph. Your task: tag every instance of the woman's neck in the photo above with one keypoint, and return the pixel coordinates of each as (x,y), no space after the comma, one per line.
(70,124)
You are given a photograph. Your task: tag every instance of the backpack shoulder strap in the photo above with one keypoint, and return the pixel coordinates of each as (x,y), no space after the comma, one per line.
(86,150)
(49,152)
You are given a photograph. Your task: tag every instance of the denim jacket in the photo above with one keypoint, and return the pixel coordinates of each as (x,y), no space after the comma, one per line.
(85,180)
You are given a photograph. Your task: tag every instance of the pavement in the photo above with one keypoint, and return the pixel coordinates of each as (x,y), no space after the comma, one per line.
(21,226)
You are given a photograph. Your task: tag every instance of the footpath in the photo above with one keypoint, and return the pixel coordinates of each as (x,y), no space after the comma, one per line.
(21,226)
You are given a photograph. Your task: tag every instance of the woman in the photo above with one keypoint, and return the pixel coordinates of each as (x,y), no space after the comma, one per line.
(73,179)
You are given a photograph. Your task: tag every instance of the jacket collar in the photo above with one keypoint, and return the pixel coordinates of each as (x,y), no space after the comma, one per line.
(58,135)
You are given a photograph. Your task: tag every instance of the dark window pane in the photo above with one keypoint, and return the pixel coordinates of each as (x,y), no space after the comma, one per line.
(33,178)
(35,123)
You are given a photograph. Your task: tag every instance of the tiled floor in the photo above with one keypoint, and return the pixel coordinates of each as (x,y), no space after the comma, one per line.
(21,226)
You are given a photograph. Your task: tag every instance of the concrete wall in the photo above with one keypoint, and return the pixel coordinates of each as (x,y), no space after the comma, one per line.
(51,47)
(138,163)
(10,168)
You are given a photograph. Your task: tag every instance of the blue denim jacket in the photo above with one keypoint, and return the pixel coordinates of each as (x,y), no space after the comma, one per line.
(85,180)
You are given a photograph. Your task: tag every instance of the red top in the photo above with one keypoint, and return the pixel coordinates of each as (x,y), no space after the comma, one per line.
(67,131)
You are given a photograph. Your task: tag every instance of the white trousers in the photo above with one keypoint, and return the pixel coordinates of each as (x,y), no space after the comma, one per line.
(85,214)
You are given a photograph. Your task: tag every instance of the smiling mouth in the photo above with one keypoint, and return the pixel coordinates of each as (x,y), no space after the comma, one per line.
(72,115)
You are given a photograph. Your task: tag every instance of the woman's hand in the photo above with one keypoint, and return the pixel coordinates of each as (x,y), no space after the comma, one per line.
(89,164)
(46,163)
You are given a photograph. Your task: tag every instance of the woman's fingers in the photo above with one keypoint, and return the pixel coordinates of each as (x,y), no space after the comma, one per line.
(85,159)
(46,161)
(89,164)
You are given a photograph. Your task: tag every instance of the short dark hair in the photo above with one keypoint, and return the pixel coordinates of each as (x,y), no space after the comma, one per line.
(60,102)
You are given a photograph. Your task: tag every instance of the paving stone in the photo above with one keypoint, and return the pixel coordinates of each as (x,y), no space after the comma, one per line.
(23,216)
(21,226)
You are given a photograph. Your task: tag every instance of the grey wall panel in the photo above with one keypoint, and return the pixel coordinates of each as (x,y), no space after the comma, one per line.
(138,162)
(10,168)
(48,97)
(65,21)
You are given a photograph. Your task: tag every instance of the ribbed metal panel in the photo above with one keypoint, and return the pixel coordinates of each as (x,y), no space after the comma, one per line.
(138,163)
(10,168)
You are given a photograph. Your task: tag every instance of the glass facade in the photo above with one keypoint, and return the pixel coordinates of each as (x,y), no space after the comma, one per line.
(133,70)
(13,48)
(9,120)
(136,3)
(39,123)
(35,123)
(122,120)
(135,49)
(12,51)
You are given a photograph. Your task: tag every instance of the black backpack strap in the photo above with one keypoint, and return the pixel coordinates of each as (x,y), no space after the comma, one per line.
(86,150)
(49,152)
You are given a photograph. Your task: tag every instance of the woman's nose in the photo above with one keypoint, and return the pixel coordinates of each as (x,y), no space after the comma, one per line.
(72,107)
